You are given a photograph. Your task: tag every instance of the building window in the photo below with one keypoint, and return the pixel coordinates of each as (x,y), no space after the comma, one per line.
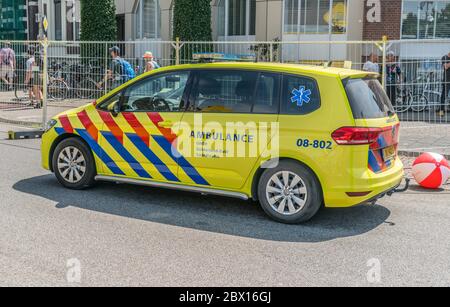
(58,20)
(237,17)
(148,19)
(425,19)
(315,16)
(73,20)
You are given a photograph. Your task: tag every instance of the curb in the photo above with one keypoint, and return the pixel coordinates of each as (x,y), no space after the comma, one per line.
(415,154)
(21,123)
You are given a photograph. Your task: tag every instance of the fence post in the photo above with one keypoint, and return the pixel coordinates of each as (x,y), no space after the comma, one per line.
(177,51)
(271,52)
(106,70)
(384,69)
(44,44)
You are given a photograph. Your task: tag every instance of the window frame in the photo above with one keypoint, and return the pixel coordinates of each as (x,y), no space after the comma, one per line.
(185,96)
(283,77)
(73,27)
(59,20)
(300,18)
(139,17)
(224,16)
(418,21)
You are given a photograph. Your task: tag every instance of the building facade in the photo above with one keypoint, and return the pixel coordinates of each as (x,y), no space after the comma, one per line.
(150,21)
(248,20)
(13,20)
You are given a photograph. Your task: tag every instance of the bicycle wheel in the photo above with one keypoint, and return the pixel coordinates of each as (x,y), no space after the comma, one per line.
(419,103)
(21,94)
(86,89)
(58,90)
(403,103)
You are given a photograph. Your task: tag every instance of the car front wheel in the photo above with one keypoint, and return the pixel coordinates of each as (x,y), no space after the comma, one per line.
(74,164)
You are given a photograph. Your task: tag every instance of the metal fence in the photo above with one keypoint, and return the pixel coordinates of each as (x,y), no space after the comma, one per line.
(69,74)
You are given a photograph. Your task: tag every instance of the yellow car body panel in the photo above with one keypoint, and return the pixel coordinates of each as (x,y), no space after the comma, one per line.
(137,147)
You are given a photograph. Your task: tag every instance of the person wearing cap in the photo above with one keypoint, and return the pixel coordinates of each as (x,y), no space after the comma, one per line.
(150,63)
(7,64)
(393,76)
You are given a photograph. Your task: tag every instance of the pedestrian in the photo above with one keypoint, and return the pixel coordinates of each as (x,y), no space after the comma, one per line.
(33,77)
(445,83)
(7,65)
(150,63)
(372,64)
(393,76)
(120,70)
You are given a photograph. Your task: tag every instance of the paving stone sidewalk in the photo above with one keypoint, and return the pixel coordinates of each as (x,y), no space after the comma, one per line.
(418,137)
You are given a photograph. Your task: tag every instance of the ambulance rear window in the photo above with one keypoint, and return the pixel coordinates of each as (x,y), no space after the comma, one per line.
(368,99)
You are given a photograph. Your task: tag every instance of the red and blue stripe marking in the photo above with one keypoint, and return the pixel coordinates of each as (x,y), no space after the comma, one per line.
(141,140)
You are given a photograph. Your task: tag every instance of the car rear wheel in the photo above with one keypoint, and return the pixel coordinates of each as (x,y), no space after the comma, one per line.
(74,164)
(290,193)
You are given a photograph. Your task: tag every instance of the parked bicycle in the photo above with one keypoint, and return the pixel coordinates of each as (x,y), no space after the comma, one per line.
(408,100)
(90,88)
(431,91)
(57,88)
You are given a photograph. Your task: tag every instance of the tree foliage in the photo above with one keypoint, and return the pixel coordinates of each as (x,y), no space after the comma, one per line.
(192,23)
(192,20)
(98,20)
(98,24)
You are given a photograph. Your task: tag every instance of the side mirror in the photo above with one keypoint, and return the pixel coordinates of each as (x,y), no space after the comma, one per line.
(118,106)
(116,110)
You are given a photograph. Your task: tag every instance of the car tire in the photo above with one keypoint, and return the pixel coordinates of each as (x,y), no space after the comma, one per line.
(74,165)
(290,193)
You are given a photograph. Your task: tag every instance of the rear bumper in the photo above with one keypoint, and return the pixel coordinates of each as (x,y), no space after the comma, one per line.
(377,184)
(391,192)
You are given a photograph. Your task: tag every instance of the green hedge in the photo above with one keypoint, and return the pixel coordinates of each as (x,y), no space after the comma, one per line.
(192,22)
(98,23)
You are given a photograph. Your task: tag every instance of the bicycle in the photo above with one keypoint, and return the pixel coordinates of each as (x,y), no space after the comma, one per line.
(89,88)
(429,93)
(20,90)
(403,99)
(407,100)
(57,87)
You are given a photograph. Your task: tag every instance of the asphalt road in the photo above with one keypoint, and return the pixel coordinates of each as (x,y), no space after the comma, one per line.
(136,236)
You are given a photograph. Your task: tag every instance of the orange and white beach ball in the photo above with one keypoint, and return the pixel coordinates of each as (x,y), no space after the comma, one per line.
(431,170)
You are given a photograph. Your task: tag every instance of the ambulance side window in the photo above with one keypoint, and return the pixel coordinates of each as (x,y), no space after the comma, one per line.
(161,93)
(267,100)
(225,91)
(236,91)
(301,95)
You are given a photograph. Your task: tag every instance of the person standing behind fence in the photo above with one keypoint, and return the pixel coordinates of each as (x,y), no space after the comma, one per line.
(33,77)
(120,71)
(7,64)
(393,76)
(150,63)
(445,83)
(372,64)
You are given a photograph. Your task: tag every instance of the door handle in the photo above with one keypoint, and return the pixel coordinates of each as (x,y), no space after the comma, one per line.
(166,124)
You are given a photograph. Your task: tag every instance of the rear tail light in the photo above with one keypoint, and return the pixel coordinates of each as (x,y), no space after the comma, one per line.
(356,135)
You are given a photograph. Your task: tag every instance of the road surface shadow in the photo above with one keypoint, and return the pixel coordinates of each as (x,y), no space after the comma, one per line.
(205,213)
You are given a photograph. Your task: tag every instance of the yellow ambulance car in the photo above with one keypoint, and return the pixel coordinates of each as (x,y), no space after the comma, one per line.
(293,137)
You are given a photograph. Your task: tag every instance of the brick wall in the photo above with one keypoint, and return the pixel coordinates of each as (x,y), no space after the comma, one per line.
(390,25)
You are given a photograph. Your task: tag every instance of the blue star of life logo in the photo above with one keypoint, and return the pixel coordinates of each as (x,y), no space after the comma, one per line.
(301,96)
